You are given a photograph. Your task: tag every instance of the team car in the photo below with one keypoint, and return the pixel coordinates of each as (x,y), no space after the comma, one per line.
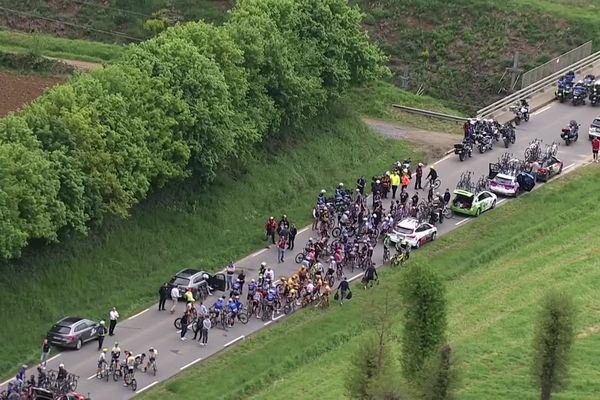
(190,278)
(549,167)
(594,128)
(505,185)
(414,232)
(73,332)
(473,204)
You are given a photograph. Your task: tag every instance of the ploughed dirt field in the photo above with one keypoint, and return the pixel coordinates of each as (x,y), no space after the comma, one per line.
(18,90)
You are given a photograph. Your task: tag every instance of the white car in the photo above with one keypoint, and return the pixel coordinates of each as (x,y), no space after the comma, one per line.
(505,185)
(595,128)
(473,204)
(414,232)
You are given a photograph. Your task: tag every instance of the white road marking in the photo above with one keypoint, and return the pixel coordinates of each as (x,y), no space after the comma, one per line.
(443,159)
(138,314)
(354,277)
(91,377)
(257,253)
(267,323)
(146,387)
(190,364)
(304,229)
(541,110)
(233,341)
(54,358)
(568,166)
(500,201)
(462,220)
(276,318)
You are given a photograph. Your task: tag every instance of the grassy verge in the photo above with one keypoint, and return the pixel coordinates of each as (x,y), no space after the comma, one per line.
(376,99)
(496,269)
(183,225)
(71,49)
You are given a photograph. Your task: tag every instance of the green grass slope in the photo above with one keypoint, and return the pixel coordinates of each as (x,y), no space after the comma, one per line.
(496,269)
(182,225)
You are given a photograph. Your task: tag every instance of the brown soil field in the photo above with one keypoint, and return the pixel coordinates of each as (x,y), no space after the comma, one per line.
(18,90)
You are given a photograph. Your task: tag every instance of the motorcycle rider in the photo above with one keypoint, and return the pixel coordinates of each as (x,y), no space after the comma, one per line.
(573,128)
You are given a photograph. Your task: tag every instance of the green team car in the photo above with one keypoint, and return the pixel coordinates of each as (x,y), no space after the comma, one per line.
(472,204)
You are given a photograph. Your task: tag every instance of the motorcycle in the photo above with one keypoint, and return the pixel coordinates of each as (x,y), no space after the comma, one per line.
(521,113)
(485,143)
(595,94)
(561,94)
(570,134)
(579,95)
(463,149)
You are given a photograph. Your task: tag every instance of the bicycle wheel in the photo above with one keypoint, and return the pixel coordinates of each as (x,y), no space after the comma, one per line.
(437,183)
(243,318)
(73,384)
(299,258)
(336,232)
(106,374)
(116,375)
(177,323)
(133,384)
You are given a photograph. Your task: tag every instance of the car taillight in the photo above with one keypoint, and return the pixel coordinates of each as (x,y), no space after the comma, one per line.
(492,183)
(70,338)
(542,170)
(411,236)
(509,186)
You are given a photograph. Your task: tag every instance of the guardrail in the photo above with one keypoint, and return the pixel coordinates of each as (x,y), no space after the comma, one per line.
(587,62)
(432,114)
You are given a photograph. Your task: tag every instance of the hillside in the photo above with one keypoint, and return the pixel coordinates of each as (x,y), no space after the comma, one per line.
(496,269)
(457,51)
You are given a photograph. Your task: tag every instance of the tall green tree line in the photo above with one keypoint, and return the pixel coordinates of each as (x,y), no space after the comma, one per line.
(180,104)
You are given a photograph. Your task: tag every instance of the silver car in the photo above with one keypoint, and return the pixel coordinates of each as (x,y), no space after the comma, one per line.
(73,332)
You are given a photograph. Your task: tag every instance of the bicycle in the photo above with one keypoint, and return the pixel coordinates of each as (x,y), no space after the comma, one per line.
(398,259)
(151,366)
(435,183)
(104,372)
(129,380)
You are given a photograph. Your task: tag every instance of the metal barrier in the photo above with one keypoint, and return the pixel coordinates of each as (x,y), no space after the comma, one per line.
(587,62)
(556,64)
(432,114)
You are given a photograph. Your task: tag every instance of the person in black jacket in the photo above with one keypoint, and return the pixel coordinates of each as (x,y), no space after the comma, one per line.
(292,235)
(164,292)
(343,287)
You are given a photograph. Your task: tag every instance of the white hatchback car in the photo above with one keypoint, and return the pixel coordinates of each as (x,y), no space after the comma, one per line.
(505,185)
(414,232)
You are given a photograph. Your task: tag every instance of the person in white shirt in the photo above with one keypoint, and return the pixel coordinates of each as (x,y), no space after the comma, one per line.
(174,297)
(114,315)
(270,274)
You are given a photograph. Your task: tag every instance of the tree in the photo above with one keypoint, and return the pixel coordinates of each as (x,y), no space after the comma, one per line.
(439,377)
(552,341)
(425,322)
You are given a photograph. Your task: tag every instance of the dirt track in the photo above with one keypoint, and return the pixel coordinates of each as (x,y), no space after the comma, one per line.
(17,90)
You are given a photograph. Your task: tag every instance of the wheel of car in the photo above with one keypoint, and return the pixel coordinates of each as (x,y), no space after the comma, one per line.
(433,235)
(79,344)
(560,169)
(478,213)
(418,244)
(493,203)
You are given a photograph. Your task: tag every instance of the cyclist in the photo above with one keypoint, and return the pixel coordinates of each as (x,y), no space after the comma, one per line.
(404,248)
(62,373)
(101,361)
(251,290)
(152,354)
(236,288)
(139,360)
(325,295)
(432,175)
(115,353)
(261,272)
(322,199)
(130,364)
(386,246)
(189,298)
(232,308)
(218,306)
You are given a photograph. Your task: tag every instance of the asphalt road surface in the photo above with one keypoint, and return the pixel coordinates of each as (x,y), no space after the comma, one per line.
(153,328)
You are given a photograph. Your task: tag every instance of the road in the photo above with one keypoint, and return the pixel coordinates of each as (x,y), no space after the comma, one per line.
(153,328)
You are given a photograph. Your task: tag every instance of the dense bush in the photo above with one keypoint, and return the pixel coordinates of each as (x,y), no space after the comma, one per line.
(183,102)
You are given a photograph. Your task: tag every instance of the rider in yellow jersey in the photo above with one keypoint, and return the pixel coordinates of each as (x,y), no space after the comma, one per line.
(101,360)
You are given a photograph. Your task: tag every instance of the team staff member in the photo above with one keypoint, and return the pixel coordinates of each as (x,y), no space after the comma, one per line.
(114,316)
(595,148)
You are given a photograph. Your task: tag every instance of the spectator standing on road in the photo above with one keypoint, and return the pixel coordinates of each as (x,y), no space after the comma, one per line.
(184,325)
(292,236)
(395,181)
(447,196)
(114,316)
(163,294)
(595,148)
(270,228)
(281,249)
(418,176)
(229,271)
(360,184)
(206,325)
(405,180)
(242,279)
(101,334)
(203,312)
(174,298)
(45,352)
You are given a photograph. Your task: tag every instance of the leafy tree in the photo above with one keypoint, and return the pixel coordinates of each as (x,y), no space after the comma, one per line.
(425,322)
(439,377)
(553,338)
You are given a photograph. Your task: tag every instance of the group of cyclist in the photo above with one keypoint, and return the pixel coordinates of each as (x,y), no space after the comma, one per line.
(127,365)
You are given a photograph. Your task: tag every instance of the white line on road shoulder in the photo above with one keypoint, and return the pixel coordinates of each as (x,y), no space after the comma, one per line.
(53,358)
(500,201)
(568,166)
(304,229)
(190,364)
(281,316)
(233,341)
(146,387)
(462,220)
(354,277)
(93,376)
(138,314)
(268,323)
(541,110)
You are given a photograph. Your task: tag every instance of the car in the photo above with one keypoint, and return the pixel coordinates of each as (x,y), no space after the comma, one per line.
(505,185)
(414,232)
(549,167)
(472,204)
(194,279)
(595,128)
(73,332)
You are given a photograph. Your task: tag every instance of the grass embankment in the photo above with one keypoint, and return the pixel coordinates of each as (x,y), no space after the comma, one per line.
(122,262)
(376,99)
(496,270)
(71,49)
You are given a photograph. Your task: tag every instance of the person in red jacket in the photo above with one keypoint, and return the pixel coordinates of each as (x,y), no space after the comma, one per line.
(595,148)
(270,228)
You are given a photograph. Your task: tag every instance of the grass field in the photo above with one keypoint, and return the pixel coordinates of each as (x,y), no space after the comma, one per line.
(496,269)
(40,44)
(183,225)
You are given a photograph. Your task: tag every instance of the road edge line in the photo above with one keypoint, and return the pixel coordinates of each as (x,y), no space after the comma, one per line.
(233,341)
(190,364)
(146,387)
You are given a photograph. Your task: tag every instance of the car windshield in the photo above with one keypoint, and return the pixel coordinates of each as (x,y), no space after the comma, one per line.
(404,230)
(504,181)
(61,329)
(596,123)
(177,281)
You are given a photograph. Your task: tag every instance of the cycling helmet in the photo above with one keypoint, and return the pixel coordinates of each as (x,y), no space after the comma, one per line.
(323,191)
(437,193)
(432,167)
(237,297)
(205,276)
(116,344)
(61,365)
(104,350)
(341,184)
(374,215)
(230,300)
(377,181)
(101,322)
(252,280)
(347,212)
(310,239)
(263,264)
(331,257)
(151,349)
